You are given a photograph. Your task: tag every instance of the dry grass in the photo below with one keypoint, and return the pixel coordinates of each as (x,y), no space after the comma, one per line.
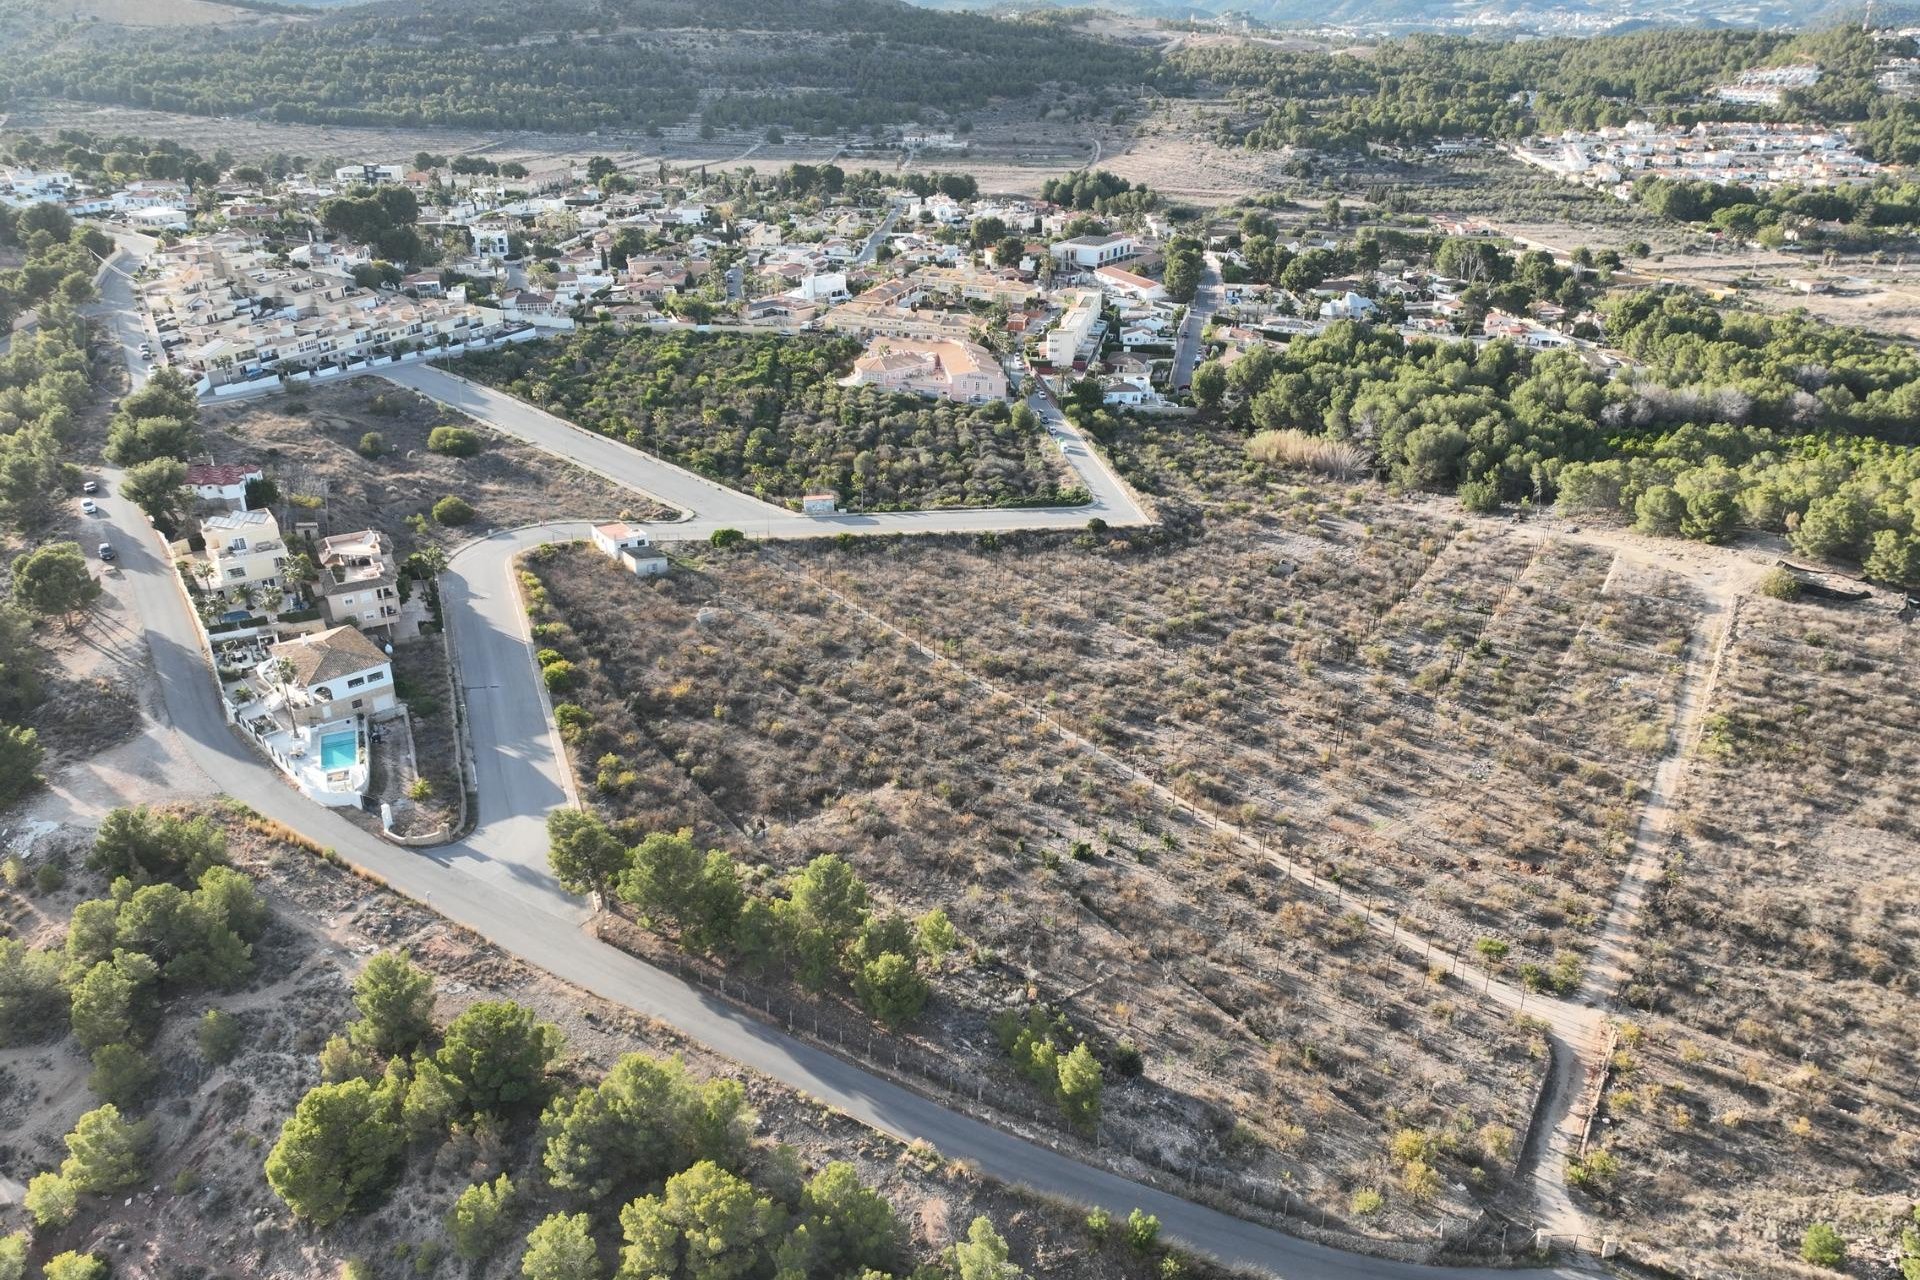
(1293,448)
(308,444)
(1777,1081)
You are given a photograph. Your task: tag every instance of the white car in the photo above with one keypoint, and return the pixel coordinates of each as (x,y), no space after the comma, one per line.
(88,507)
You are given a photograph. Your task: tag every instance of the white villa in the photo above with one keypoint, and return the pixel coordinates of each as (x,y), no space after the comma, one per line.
(310,706)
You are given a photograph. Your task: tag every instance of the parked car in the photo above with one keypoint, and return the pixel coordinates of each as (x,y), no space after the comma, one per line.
(107,552)
(89,507)
(91,486)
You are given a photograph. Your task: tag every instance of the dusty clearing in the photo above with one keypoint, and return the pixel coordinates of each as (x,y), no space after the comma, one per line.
(308,445)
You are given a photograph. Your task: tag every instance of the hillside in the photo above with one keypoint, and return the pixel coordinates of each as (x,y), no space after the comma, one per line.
(814,65)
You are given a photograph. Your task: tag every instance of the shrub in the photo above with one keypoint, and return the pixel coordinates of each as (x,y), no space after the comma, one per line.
(891,989)
(725,539)
(454,442)
(218,1035)
(1780,585)
(394,998)
(1364,1202)
(372,445)
(13,1255)
(1823,1246)
(121,1074)
(419,790)
(1099,1226)
(340,1144)
(495,1057)
(574,720)
(1143,1229)
(559,675)
(478,1220)
(51,1200)
(452,512)
(75,1266)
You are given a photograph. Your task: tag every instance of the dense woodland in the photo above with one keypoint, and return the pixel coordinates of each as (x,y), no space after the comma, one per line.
(1730,420)
(766,414)
(829,65)
(1424,88)
(818,65)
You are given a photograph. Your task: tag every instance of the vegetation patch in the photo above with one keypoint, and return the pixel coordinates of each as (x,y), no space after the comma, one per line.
(766,414)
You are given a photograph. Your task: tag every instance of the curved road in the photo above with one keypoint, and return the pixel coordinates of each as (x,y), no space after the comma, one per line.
(496,881)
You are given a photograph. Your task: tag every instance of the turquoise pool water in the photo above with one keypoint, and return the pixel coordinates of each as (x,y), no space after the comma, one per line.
(339,750)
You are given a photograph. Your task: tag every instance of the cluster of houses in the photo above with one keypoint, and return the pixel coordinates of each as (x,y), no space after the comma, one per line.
(233,307)
(1753,154)
(1768,86)
(299,630)
(1425,306)
(155,204)
(230,315)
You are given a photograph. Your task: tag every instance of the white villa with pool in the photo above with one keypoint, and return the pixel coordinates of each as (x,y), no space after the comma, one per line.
(308,705)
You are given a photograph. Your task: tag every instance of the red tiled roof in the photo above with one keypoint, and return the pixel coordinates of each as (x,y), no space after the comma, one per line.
(220,474)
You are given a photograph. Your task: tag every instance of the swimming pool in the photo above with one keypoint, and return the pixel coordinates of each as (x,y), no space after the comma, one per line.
(340,750)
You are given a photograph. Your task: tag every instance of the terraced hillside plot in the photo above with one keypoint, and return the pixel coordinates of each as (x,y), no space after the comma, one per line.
(1286,1048)
(765,414)
(1776,1082)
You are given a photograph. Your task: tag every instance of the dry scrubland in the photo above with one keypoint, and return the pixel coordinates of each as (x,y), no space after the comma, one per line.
(1282,1043)
(1455,720)
(1450,721)
(1776,1080)
(308,444)
(206,1198)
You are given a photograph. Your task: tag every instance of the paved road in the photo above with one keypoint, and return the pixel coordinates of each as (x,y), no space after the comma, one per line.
(879,236)
(496,882)
(1207,298)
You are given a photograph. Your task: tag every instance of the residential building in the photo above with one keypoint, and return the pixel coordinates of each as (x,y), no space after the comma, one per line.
(1090,252)
(1348,306)
(371,175)
(359,583)
(953,370)
(331,675)
(1126,284)
(1063,342)
(492,240)
(888,310)
(244,552)
(1004,287)
(222,482)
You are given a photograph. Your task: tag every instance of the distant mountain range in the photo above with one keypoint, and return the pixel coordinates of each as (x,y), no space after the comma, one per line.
(1558,17)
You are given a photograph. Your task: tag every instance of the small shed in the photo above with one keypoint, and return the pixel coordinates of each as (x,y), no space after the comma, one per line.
(824,503)
(630,547)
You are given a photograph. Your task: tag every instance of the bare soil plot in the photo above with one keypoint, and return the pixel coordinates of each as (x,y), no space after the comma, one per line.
(420,677)
(1775,1083)
(1284,1046)
(207,1197)
(308,444)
